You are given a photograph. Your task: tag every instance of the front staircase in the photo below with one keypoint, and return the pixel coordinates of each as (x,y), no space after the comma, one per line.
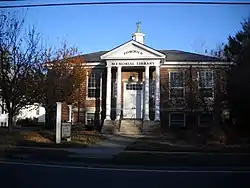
(130,127)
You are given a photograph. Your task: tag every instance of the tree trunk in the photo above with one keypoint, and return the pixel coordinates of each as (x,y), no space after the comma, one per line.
(50,117)
(46,118)
(10,122)
(78,112)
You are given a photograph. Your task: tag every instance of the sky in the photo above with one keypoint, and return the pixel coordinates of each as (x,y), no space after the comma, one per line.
(191,28)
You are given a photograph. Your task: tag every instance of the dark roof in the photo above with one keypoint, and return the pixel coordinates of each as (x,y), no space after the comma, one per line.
(177,55)
(171,55)
(93,57)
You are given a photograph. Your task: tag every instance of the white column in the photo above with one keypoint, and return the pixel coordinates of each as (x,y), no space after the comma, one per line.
(70,113)
(58,121)
(119,93)
(146,94)
(108,94)
(157,93)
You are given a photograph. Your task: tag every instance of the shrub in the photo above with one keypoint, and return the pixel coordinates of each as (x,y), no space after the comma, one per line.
(28,122)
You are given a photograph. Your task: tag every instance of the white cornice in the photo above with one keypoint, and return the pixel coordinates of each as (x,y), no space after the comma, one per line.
(197,63)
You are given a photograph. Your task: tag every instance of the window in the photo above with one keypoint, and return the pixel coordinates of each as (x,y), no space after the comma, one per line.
(205,119)
(177,119)
(134,86)
(206,83)
(90,118)
(152,88)
(93,85)
(114,91)
(176,84)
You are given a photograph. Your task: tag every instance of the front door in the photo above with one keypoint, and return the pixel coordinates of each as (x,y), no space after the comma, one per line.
(133,100)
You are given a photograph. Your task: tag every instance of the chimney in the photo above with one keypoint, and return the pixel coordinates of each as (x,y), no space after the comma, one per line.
(138,36)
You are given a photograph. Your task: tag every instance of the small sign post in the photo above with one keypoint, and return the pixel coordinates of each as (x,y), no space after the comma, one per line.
(58,122)
(66,131)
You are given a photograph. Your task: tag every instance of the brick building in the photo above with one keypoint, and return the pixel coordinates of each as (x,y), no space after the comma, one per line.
(136,88)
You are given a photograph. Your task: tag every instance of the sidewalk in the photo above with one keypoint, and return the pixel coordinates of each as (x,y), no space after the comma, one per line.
(110,152)
(106,149)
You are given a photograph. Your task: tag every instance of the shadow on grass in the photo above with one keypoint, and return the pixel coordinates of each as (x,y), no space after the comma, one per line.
(203,140)
(46,138)
(44,141)
(34,154)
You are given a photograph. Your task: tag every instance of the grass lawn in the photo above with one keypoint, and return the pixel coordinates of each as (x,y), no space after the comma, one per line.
(46,138)
(185,141)
(34,154)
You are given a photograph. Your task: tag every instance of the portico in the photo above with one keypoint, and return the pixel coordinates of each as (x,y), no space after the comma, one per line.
(136,91)
(133,94)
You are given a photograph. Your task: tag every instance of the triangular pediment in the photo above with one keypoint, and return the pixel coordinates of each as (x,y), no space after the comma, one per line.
(133,50)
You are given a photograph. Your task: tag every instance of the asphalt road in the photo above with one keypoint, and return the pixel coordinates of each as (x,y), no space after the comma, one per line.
(24,175)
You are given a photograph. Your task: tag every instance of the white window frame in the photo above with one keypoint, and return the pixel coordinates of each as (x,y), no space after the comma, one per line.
(152,88)
(199,120)
(114,90)
(86,116)
(199,88)
(171,113)
(90,112)
(87,85)
(169,84)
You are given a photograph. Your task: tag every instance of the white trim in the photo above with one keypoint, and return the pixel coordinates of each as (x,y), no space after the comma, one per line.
(197,63)
(92,67)
(85,109)
(87,86)
(133,42)
(169,87)
(169,118)
(95,63)
(85,116)
(213,86)
(194,66)
(90,110)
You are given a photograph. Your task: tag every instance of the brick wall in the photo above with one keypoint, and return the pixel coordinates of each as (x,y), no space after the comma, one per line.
(99,103)
(65,112)
(191,99)
(84,101)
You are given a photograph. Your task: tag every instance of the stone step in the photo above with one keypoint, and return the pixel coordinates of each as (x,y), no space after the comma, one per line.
(130,131)
(121,133)
(130,127)
(131,122)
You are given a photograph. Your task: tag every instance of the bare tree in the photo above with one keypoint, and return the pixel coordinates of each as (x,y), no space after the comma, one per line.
(18,58)
(60,79)
(200,88)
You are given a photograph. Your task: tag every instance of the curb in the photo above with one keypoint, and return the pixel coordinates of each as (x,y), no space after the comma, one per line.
(132,167)
(38,148)
(93,155)
(186,152)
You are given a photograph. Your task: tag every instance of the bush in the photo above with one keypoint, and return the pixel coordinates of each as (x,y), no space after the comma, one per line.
(28,122)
